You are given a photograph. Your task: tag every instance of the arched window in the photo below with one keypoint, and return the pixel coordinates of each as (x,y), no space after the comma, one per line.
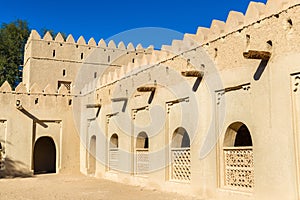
(142,141)
(181,155)
(238,157)
(114,152)
(142,153)
(180,138)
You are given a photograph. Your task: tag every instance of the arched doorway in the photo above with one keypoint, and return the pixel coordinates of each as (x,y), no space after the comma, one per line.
(238,157)
(44,156)
(113,152)
(181,155)
(142,153)
(92,156)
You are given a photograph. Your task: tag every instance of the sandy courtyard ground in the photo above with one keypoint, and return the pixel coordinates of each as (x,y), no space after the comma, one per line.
(76,187)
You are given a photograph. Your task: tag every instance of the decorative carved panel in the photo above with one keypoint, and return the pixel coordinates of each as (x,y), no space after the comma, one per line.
(181,164)
(239,166)
(142,161)
(113,158)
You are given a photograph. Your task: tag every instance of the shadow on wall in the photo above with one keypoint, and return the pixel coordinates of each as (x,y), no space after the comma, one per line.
(15,169)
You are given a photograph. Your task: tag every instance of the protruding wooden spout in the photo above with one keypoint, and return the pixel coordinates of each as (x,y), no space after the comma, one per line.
(261,55)
(146,89)
(192,73)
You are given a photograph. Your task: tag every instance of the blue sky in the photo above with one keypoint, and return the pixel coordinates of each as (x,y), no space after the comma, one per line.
(104,19)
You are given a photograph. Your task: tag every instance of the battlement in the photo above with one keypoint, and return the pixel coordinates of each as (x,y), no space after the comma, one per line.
(64,58)
(140,63)
(217,39)
(236,21)
(58,48)
(37,100)
(119,61)
(35,89)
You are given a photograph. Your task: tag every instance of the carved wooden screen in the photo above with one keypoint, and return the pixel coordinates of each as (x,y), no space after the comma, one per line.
(238,162)
(113,158)
(181,164)
(142,160)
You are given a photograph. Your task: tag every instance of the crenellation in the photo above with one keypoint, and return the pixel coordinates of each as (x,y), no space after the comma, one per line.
(70,39)
(81,41)
(5,88)
(21,89)
(139,47)
(255,12)
(92,42)
(111,45)
(191,40)
(102,43)
(275,6)
(49,89)
(202,35)
(48,37)
(130,47)
(178,46)
(235,21)
(35,89)
(34,35)
(121,46)
(59,38)
(217,29)
(166,48)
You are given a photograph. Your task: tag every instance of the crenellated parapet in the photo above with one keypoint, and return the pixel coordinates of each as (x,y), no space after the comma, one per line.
(140,63)
(63,58)
(58,43)
(121,61)
(37,99)
(224,40)
(239,33)
(236,21)
(35,89)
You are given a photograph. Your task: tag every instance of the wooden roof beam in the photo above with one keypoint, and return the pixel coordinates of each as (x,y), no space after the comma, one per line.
(146,89)
(192,73)
(93,106)
(254,54)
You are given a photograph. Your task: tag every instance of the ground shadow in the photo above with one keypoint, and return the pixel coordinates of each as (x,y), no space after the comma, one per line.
(151,97)
(261,68)
(196,84)
(15,169)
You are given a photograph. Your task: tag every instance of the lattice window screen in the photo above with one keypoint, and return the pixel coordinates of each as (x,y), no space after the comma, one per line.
(181,164)
(142,161)
(239,165)
(113,158)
